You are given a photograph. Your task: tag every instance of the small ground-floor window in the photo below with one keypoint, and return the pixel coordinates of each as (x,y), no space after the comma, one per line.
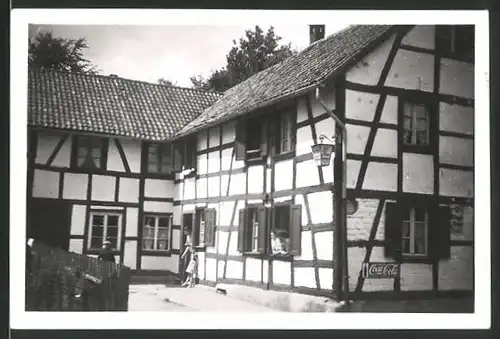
(156,232)
(105,226)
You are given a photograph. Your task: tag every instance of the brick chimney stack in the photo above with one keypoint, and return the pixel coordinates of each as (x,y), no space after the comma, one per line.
(316,32)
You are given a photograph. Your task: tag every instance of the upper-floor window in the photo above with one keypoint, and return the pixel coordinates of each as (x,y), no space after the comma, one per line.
(204,227)
(105,226)
(278,235)
(416,124)
(160,158)
(284,137)
(184,156)
(90,152)
(417,230)
(456,41)
(156,232)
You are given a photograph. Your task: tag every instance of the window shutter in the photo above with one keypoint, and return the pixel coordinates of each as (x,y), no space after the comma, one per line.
(195,234)
(295,229)
(210,227)
(263,142)
(439,232)
(242,231)
(240,142)
(263,234)
(392,231)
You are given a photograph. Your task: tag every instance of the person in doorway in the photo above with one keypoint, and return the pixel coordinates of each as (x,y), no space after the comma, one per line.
(106,253)
(186,256)
(192,268)
(279,242)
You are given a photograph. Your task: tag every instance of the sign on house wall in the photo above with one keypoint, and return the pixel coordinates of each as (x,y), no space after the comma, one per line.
(380,270)
(457,219)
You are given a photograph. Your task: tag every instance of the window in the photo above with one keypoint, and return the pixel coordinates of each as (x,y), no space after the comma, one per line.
(204,227)
(416,124)
(417,230)
(160,158)
(184,154)
(281,236)
(105,225)
(156,232)
(456,41)
(251,139)
(89,152)
(284,133)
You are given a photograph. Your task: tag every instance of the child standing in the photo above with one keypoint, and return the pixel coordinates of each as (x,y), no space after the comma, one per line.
(192,268)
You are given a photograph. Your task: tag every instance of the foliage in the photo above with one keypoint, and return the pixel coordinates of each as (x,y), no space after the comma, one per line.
(252,54)
(165,82)
(61,54)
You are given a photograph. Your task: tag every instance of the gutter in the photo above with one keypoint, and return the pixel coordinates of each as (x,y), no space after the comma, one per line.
(340,239)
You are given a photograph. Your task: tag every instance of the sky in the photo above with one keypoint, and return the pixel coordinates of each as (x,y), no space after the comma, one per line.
(176,53)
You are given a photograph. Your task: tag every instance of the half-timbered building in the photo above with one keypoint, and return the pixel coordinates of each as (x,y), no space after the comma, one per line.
(406,97)
(238,172)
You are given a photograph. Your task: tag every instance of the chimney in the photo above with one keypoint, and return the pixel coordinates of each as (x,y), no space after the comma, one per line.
(316,32)
(113,76)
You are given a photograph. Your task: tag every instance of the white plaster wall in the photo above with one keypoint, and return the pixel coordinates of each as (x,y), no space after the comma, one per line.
(76,245)
(327,95)
(359,224)
(160,263)
(456,183)
(456,118)
(201,265)
(210,269)
(356,256)
(176,239)
(283,175)
(47,141)
(390,110)
(237,184)
(268,180)
(45,184)
(301,109)
(360,106)
(130,254)
(304,140)
(321,205)
(226,159)
(132,216)
(234,269)
(416,277)
(226,213)
(420,36)
(214,186)
(367,70)
(303,277)
(103,188)
(253,269)
(75,186)
(221,264)
(158,207)
(78,219)
(381,176)
(213,162)
(326,127)
(202,140)
(324,245)
(467,232)
(412,70)
(189,189)
(223,238)
(202,164)
(115,162)
(328,171)
(456,151)
(63,157)
(201,188)
(418,173)
(128,190)
(255,179)
(306,246)
(457,78)
(326,278)
(265,271)
(385,143)
(358,136)
(228,132)
(132,150)
(157,188)
(353,167)
(306,175)
(214,136)
(282,273)
(457,273)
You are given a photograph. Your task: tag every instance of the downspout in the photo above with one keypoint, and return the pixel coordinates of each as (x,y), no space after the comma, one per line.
(342,217)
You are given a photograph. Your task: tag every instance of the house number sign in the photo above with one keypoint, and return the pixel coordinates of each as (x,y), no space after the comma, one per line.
(380,270)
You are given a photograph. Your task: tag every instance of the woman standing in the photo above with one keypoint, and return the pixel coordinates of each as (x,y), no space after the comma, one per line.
(186,256)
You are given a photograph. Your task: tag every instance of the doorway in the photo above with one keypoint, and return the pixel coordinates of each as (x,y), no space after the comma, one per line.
(48,221)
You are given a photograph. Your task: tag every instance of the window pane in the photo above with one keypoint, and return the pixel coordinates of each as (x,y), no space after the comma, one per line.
(148,232)
(420,238)
(254,131)
(422,138)
(149,221)
(96,152)
(166,150)
(419,213)
(147,244)
(420,111)
(152,167)
(162,245)
(95,242)
(421,124)
(113,220)
(98,220)
(163,233)
(97,231)
(407,137)
(82,152)
(112,232)
(408,109)
(406,246)
(114,242)
(202,232)
(406,229)
(163,222)
(407,123)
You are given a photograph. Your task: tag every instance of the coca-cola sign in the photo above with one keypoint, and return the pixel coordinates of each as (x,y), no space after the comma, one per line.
(380,270)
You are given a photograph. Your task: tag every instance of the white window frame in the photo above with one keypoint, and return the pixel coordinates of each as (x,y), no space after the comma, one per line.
(156,231)
(414,130)
(255,230)
(105,228)
(275,222)
(286,117)
(412,228)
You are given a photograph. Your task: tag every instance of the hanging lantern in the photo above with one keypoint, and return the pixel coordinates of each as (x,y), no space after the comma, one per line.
(322,153)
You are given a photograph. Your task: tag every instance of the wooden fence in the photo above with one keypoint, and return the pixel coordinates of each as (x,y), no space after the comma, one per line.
(57,280)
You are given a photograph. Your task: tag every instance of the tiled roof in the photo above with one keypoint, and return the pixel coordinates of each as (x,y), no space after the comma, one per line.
(111,105)
(310,67)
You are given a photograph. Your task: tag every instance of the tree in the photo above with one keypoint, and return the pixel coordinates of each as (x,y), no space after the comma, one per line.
(46,51)
(165,82)
(252,54)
